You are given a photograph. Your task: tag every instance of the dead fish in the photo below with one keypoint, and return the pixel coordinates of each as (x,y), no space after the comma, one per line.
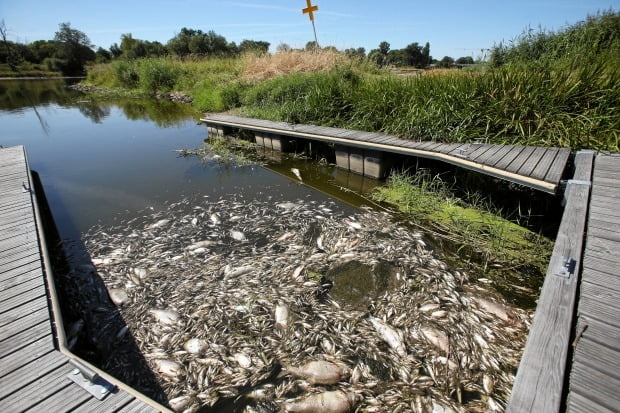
(296,172)
(215,218)
(118,296)
(282,316)
(160,223)
(491,307)
(201,244)
(297,273)
(236,272)
(167,317)
(243,360)
(320,372)
(195,345)
(487,383)
(179,404)
(390,335)
(142,273)
(336,401)
(168,367)
(286,236)
(437,338)
(287,206)
(429,307)
(439,314)
(238,235)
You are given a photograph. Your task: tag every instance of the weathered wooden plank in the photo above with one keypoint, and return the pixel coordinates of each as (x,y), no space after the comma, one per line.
(596,385)
(591,307)
(20,289)
(35,264)
(539,383)
(598,356)
(601,278)
(603,254)
(11,247)
(18,255)
(599,331)
(28,354)
(21,377)
(494,158)
(137,406)
(24,323)
(9,283)
(594,263)
(19,262)
(521,159)
(33,395)
(20,311)
(579,404)
(514,152)
(111,403)
(609,234)
(600,209)
(558,166)
(20,299)
(602,295)
(66,399)
(17,341)
(529,166)
(478,150)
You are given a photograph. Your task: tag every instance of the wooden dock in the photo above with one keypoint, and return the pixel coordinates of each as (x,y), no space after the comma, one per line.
(571,360)
(34,361)
(536,167)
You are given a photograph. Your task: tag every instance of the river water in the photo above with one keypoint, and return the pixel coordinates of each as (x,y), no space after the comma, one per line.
(213,253)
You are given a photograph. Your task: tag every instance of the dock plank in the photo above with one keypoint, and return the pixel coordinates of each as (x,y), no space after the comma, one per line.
(556,170)
(539,383)
(24,323)
(596,385)
(26,374)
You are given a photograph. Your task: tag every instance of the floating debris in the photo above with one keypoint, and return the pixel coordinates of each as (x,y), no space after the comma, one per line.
(229,301)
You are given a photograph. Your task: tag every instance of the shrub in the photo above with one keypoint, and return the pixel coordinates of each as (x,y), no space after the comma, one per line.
(158,75)
(126,73)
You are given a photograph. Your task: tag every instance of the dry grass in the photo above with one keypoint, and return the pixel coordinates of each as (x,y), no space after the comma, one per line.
(257,68)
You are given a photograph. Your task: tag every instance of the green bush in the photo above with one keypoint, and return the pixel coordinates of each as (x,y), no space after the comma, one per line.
(126,73)
(158,75)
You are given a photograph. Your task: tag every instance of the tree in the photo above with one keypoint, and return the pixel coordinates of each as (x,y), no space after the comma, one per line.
(310,46)
(384,48)
(102,55)
(426,54)
(75,49)
(283,47)
(380,55)
(115,50)
(446,61)
(12,56)
(466,60)
(254,46)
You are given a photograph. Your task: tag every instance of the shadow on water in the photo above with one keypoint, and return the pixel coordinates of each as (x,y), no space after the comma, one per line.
(94,327)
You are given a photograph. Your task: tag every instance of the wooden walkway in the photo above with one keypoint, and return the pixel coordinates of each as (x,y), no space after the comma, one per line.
(595,372)
(535,167)
(572,357)
(34,364)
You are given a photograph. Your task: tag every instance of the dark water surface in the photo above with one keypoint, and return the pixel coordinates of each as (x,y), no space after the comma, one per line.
(99,160)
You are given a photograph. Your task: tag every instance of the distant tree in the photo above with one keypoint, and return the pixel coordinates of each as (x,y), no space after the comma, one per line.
(359,52)
(426,55)
(11,54)
(330,48)
(283,47)
(43,49)
(380,55)
(446,61)
(310,46)
(498,55)
(384,48)
(190,41)
(75,48)
(102,55)
(254,46)
(115,51)
(465,60)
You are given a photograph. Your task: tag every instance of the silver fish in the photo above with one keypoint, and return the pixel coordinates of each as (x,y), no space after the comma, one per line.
(390,335)
(320,372)
(336,401)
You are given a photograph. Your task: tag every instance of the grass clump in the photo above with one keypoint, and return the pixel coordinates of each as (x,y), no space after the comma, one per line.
(475,229)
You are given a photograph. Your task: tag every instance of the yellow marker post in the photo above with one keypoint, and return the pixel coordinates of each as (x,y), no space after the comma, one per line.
(310,12)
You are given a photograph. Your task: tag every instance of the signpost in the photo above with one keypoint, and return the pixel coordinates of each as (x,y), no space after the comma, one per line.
(310,12)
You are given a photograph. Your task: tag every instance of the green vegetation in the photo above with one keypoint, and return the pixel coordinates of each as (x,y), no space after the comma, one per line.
(474,227)
(538,92)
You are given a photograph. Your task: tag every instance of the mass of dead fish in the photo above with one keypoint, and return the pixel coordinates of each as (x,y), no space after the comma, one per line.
(226,302)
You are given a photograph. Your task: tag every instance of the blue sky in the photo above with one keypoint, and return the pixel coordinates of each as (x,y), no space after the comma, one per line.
(453,27)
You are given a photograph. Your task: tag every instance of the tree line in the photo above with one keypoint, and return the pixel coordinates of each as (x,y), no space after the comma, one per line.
(71,50)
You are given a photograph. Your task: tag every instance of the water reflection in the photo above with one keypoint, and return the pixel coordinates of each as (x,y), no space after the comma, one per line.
(17,96)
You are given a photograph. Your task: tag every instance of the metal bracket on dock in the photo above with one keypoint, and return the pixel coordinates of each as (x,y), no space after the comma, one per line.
(90,381)
(566,267)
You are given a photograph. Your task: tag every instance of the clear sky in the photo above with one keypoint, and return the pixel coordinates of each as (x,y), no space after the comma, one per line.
(453,27)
